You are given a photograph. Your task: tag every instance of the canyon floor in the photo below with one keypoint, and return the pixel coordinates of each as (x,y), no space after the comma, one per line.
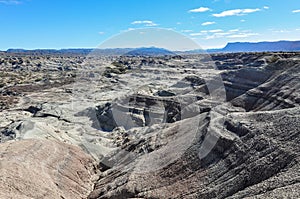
(174,126)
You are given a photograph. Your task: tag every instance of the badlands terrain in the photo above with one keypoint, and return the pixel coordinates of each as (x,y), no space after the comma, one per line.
(171,126)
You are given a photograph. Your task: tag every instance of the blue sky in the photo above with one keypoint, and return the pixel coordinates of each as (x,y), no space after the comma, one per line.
(59,24)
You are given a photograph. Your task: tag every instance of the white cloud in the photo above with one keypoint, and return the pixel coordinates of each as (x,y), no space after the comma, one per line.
(236,12)
(201,9)
(281,31)
(207,32)
(208,23)
(211,37)
(243,20)
(295,11)
(196,34)
(186,31)
(145,23)
(234,30)
(266,7)
(101,33)
(218,33)
(242,35)
(215,31)
(171,28)
(10,2)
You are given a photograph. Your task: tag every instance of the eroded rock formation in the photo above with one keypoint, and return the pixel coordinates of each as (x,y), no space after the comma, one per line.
(158,129)
(45,169)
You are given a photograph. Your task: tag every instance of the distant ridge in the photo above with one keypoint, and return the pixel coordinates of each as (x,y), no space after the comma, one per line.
(152,51)
(52,51)
(79,51)
(275,46)
(260,46)
(149,51)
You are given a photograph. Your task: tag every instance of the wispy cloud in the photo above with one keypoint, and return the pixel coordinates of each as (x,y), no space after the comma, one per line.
(10,2)
(236,12)
(197,34)
(101,33)
(145,23)
(218,33)
(201,9)
(281,31)
(208,34)
(242,35)
(208,23)
(216,30)
(234,30)
(186,31)
(296,11)
(266,7)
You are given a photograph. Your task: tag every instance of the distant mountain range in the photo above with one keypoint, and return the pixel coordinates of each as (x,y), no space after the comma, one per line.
(153,51)
(259,46)
(149,51)
(84,51)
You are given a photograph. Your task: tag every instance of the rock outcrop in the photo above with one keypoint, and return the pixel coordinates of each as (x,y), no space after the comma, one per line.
(255,153)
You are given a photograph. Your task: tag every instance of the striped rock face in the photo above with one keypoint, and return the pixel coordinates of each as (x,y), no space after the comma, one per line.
(44,169)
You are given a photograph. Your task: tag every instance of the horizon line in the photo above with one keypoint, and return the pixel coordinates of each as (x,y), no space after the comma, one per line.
(94,48)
